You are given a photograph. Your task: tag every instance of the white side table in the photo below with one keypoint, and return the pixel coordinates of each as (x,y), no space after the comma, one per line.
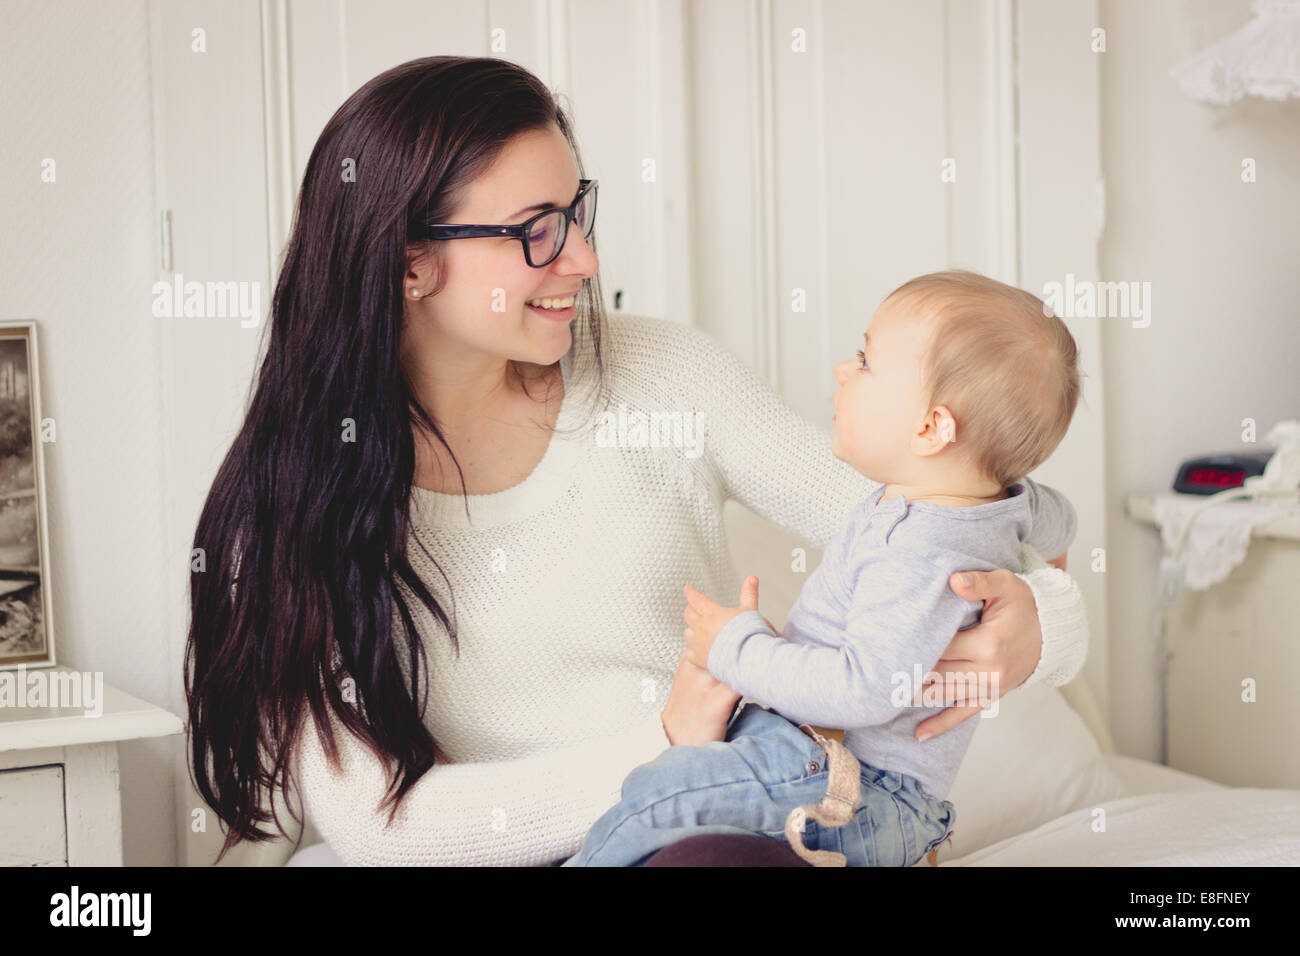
(60,801)
(1243,628)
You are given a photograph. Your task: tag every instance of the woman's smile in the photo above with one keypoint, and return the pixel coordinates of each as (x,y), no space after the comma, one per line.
(555,315)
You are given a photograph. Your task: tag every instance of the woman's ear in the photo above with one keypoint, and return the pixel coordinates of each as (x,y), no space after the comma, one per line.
(422,265)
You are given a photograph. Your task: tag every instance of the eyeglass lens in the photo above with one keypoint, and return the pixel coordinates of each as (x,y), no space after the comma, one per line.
(548,233)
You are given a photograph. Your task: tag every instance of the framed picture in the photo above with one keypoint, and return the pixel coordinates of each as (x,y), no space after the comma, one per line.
(26,624)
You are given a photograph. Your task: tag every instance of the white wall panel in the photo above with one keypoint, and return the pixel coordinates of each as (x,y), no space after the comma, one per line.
(212,176)
(78,256)
(1060,223)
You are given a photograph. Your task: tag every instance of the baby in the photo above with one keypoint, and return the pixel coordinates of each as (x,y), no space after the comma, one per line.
(962,387)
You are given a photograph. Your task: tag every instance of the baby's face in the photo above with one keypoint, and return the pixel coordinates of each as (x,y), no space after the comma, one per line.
(879,406)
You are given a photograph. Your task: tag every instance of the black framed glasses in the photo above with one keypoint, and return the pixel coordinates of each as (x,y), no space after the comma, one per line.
(542,236)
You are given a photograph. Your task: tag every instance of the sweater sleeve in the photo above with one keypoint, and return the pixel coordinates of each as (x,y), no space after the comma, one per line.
(779,464)
(1062,618)
(525,812)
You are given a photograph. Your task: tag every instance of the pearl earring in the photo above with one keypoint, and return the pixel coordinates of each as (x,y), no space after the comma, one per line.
(415,293)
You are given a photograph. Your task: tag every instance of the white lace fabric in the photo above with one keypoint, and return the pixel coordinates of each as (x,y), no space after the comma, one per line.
(1261,59)
(1219,536)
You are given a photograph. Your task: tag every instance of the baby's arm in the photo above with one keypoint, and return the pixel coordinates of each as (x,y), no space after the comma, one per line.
(903,615)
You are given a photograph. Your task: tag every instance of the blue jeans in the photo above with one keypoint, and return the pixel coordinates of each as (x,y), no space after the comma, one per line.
(749,783)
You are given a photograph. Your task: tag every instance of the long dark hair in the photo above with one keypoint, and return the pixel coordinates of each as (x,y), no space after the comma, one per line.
(304,534)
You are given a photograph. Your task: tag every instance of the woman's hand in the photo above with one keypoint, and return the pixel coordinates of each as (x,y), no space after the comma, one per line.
(1007,643)
(699,705)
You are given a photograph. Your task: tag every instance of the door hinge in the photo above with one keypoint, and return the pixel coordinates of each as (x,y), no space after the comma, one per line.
(1100,203)
(165,239)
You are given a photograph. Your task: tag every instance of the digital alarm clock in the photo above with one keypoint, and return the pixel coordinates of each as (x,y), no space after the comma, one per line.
(1215,473)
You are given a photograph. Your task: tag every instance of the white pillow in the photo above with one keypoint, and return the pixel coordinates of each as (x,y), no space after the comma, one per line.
(1030,764)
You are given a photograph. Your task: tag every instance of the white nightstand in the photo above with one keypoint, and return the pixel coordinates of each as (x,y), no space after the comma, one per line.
(1244,627)
(60,803)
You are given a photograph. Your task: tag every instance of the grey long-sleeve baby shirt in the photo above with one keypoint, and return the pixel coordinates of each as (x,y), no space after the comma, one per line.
(874,617)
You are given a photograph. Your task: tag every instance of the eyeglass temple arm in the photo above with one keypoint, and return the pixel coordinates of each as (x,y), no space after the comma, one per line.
(439,231)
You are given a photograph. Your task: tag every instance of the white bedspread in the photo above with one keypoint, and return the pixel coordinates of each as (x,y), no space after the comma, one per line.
(1232,826)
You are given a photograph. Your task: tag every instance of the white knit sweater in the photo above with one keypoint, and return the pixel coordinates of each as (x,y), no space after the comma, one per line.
(568,600)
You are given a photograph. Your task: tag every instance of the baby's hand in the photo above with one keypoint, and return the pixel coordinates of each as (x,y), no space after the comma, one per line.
(706,617)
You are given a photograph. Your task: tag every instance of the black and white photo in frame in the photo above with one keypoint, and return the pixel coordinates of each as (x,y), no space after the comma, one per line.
(26,631)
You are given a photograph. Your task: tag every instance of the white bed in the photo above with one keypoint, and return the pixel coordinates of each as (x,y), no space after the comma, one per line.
(1037,788)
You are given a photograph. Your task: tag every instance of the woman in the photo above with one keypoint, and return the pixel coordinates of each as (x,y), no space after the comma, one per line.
(419,442)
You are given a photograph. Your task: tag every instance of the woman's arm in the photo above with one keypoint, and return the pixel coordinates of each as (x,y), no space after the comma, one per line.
(769,457)
(525,812)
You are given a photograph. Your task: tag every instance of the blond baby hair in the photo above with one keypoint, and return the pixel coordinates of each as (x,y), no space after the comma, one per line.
(1001,362)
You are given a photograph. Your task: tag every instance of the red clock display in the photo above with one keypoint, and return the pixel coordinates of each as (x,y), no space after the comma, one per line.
(1216,477)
